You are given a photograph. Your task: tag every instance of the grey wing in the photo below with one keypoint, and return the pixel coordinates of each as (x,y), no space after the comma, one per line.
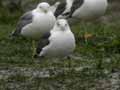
(60,9)
(24,20)
(44,41)
(76,4)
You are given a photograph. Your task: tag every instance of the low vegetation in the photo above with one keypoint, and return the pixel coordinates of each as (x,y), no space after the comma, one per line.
(95,64)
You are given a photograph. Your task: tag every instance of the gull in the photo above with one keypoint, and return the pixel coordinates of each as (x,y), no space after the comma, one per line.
(59,42)
(35,23)
(88,9)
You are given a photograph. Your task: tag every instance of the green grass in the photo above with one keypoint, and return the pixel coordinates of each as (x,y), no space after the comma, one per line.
(98,57)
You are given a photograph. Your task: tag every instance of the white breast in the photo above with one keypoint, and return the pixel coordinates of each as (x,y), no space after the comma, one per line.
(61,44)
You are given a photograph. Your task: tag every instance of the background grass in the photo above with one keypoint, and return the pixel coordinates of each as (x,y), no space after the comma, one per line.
(95,64)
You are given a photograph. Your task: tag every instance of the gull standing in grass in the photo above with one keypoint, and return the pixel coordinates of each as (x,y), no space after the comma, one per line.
(36,22)
(84,10)
(59,42)
(87,10)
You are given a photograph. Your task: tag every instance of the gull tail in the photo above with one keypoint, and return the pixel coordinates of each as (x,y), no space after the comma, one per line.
(13,35)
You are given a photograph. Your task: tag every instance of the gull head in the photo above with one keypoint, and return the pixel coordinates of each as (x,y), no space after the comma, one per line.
(62,24)
(44,7)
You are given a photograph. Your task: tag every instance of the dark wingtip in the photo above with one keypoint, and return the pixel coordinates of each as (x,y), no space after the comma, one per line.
(11,36)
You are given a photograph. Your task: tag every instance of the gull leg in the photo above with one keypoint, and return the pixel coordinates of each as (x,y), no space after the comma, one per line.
(87,35)
(33,48)
(69,63)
